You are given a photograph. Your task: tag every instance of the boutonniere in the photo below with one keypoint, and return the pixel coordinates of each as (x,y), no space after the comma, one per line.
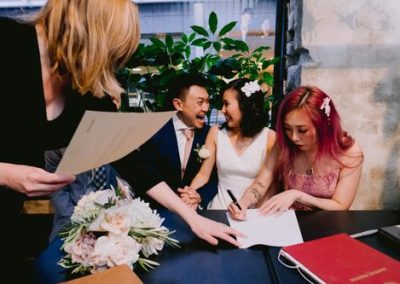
(202,152)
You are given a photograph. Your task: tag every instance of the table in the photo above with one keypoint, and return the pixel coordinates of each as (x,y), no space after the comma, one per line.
(198,262)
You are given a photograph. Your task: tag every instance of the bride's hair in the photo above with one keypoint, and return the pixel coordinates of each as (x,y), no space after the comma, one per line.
(251,105)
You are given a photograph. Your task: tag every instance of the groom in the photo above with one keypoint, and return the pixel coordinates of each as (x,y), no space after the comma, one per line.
(164,154)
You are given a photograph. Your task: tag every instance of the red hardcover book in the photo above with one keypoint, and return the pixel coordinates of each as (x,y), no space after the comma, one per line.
(342,259)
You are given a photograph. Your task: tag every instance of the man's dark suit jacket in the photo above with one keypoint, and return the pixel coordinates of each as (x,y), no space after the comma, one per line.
(160,156)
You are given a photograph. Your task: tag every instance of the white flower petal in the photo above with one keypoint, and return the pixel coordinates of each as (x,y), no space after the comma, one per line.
(118,222)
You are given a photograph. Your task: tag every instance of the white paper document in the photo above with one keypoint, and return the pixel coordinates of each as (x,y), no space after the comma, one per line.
(277,231)
(103,137)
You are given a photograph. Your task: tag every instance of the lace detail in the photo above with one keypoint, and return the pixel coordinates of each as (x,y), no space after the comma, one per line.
(319,186)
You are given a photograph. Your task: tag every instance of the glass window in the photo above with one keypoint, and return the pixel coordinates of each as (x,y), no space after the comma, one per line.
(255,19)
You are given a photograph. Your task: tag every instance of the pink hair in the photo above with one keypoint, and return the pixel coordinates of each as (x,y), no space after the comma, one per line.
(333,141)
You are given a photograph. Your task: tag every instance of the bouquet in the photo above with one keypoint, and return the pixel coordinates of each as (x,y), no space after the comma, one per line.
(109,228)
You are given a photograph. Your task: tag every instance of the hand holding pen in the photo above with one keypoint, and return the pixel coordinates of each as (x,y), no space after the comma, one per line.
(235,210)
(234,200)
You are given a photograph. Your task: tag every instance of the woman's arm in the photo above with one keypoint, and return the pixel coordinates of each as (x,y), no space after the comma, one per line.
(345,192)
(207,166)
(259,188)
(204,228)
(348,181)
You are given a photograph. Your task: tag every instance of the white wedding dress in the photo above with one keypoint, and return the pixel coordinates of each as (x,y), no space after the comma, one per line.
(237,172)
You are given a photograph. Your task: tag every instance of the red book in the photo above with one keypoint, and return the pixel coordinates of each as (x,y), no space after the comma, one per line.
(342,259)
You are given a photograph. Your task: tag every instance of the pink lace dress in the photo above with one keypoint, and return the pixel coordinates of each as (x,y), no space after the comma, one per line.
(322,186)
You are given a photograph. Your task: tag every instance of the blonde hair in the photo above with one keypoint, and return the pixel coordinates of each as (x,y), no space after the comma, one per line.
(89,40)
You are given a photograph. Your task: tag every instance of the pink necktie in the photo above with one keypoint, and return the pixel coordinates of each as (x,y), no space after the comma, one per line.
(188,132)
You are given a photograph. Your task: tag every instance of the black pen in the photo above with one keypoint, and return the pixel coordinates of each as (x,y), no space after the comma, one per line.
(233,199)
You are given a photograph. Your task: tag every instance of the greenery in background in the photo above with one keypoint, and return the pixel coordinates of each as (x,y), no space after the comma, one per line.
(161,61)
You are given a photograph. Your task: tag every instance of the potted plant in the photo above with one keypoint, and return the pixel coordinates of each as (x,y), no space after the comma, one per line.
(153,65)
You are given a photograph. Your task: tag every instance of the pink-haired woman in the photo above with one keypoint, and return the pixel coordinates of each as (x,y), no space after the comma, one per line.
(318,163)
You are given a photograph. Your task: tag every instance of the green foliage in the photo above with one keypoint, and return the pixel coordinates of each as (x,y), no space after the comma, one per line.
(162,60)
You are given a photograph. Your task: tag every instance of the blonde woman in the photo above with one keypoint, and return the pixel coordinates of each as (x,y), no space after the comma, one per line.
(65,58)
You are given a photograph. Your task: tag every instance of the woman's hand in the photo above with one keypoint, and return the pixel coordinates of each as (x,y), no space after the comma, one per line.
(211,231)
(204,228)
(235,212)
(32,181)
(244,203)
(280,202)
(190,196)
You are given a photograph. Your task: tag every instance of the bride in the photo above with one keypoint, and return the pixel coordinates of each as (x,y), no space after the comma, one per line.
(239,147)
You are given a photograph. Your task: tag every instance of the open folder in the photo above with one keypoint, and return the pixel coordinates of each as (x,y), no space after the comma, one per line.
(104,137)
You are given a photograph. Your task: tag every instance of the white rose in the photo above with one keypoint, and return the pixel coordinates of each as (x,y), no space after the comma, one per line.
(116,250)
(116,220)
(126,252)
(102,250)
(204,153)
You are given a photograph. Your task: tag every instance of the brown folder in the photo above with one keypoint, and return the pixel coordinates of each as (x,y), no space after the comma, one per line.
(121,274)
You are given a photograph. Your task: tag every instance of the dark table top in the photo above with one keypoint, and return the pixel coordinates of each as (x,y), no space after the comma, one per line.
(199,262)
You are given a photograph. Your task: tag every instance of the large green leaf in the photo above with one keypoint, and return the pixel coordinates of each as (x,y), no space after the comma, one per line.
(169,42)
(167,76)
(187,51)
(258,57)
(268,78)
(200,30)
(228,41)
(241,45)
(251,73)
(157,42)
(185,38)
(179,46)
(227,28)
(227,68)
(269,62)
(261,48)
(213,22)
(206,45)
(192,36)
(213,59)
(229,47)
(217,46)
(199,42)
(177,58)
